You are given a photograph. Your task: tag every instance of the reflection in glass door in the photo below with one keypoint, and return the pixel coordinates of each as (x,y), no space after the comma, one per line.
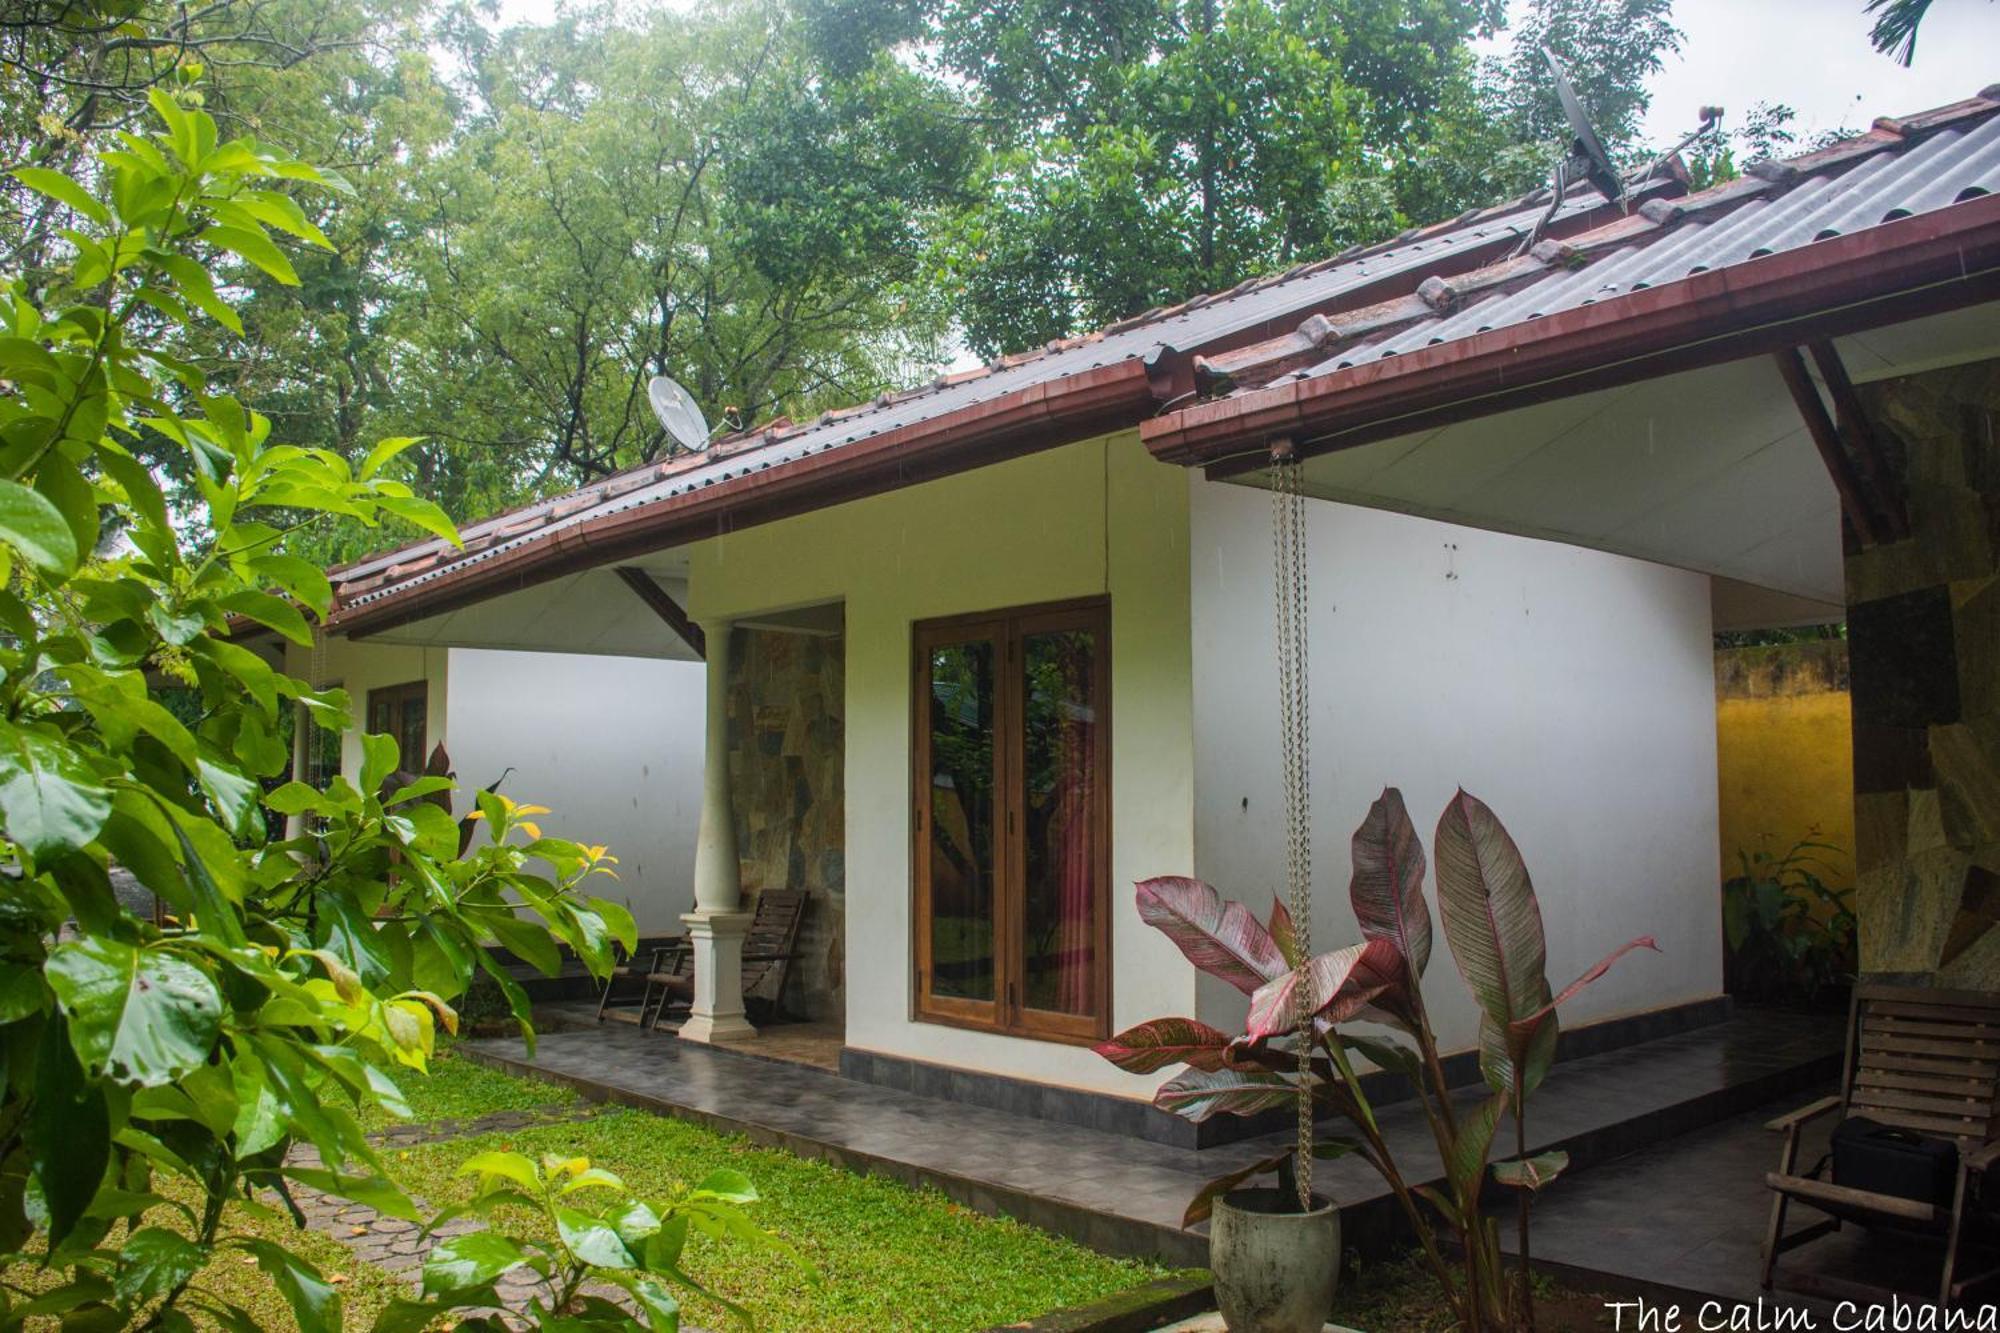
(1012,818)
(959,833)
(1059,801)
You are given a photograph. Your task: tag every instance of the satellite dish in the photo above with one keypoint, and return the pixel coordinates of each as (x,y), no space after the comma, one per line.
(1587,157)
(679,417)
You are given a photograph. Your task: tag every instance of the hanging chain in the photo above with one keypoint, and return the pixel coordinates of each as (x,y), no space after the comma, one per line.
(1288,555)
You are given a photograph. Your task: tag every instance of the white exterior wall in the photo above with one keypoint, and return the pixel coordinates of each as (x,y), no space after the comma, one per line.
(361,667)
(1099,516)
(612,745)
(1570,690)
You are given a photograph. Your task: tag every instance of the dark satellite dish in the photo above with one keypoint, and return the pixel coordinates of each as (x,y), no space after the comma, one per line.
(680,417)
(1587,158)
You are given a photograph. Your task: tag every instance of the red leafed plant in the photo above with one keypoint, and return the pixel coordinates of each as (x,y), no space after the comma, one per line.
(1493,923)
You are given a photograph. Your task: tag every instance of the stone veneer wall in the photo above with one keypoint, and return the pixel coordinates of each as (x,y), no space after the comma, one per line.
(786,757)
(1924,649)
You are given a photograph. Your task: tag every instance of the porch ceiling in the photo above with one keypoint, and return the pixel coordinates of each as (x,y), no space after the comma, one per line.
(1710,470)
(591,612)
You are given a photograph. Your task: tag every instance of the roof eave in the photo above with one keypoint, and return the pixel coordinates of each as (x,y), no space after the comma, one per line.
(1110,397)
(1939,260)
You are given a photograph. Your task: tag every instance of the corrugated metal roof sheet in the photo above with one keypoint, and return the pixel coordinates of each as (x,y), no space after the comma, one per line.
(1198,323)
(1793,207)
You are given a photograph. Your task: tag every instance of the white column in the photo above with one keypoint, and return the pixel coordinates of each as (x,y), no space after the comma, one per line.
(718,923)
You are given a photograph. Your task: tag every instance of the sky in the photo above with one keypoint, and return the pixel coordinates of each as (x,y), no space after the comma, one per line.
(1814,56)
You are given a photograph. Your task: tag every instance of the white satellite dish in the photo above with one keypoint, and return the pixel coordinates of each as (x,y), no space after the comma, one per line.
(679,416)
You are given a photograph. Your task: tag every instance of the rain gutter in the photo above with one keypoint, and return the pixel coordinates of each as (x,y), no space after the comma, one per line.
(1938,261)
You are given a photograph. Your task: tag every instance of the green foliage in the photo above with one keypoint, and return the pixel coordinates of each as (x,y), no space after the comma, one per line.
(146,1063)
(1894,33)
(1790,935)
(1142,152)
(894,1258)
(602,1234)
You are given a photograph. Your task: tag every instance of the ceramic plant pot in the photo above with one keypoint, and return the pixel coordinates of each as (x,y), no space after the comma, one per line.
(1275,1267)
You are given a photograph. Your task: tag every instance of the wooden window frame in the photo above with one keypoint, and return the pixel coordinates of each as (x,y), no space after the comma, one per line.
(1006,1013)
(396,695)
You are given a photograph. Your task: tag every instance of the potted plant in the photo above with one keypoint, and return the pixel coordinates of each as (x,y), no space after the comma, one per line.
(1789,934)
(1492,922)
(1275,1264)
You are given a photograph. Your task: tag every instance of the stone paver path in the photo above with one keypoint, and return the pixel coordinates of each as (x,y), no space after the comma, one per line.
(400,1246)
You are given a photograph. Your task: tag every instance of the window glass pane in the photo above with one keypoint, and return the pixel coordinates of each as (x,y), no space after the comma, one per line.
(961,823)
(410,733)
(1059,799)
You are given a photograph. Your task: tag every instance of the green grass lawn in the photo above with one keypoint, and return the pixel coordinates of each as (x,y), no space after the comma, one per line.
(889,1257)
(460,1089)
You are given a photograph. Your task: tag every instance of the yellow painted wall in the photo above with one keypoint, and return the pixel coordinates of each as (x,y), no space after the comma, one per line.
(1084,519)
(1785,753)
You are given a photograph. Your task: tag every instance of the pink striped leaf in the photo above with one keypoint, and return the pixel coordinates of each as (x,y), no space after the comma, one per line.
(1151,1047)
(1491,918)
(1199,1094)
(1218,936)
(1387,890)
(1343,983)
(1494,926)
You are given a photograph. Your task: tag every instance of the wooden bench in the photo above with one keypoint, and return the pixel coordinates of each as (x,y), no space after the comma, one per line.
(1919,1059)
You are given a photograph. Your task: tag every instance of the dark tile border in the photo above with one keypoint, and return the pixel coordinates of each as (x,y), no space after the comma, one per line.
(1136,1119)
(1107,1233)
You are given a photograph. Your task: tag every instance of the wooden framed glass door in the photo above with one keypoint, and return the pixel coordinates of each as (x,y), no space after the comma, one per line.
(1012,820)
(402,711)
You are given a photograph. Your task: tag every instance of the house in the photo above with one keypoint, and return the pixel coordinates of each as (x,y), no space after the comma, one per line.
(982,654)
(556,730)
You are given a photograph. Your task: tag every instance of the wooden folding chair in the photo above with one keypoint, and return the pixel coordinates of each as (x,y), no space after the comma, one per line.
(615,1003)
(768,951)
(1918,1059)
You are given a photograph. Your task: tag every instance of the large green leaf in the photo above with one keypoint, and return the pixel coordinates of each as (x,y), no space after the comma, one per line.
(63,190)
(315,1302)
(470,1261)
(592,1239)
(656,1301)
(51,799)
(69,1131)
(140,1016)
(252,244)
(37,529)
(153,1262)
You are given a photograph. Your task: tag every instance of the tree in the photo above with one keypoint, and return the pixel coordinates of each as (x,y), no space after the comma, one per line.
(292,974)
(1141,152)
(670,194)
